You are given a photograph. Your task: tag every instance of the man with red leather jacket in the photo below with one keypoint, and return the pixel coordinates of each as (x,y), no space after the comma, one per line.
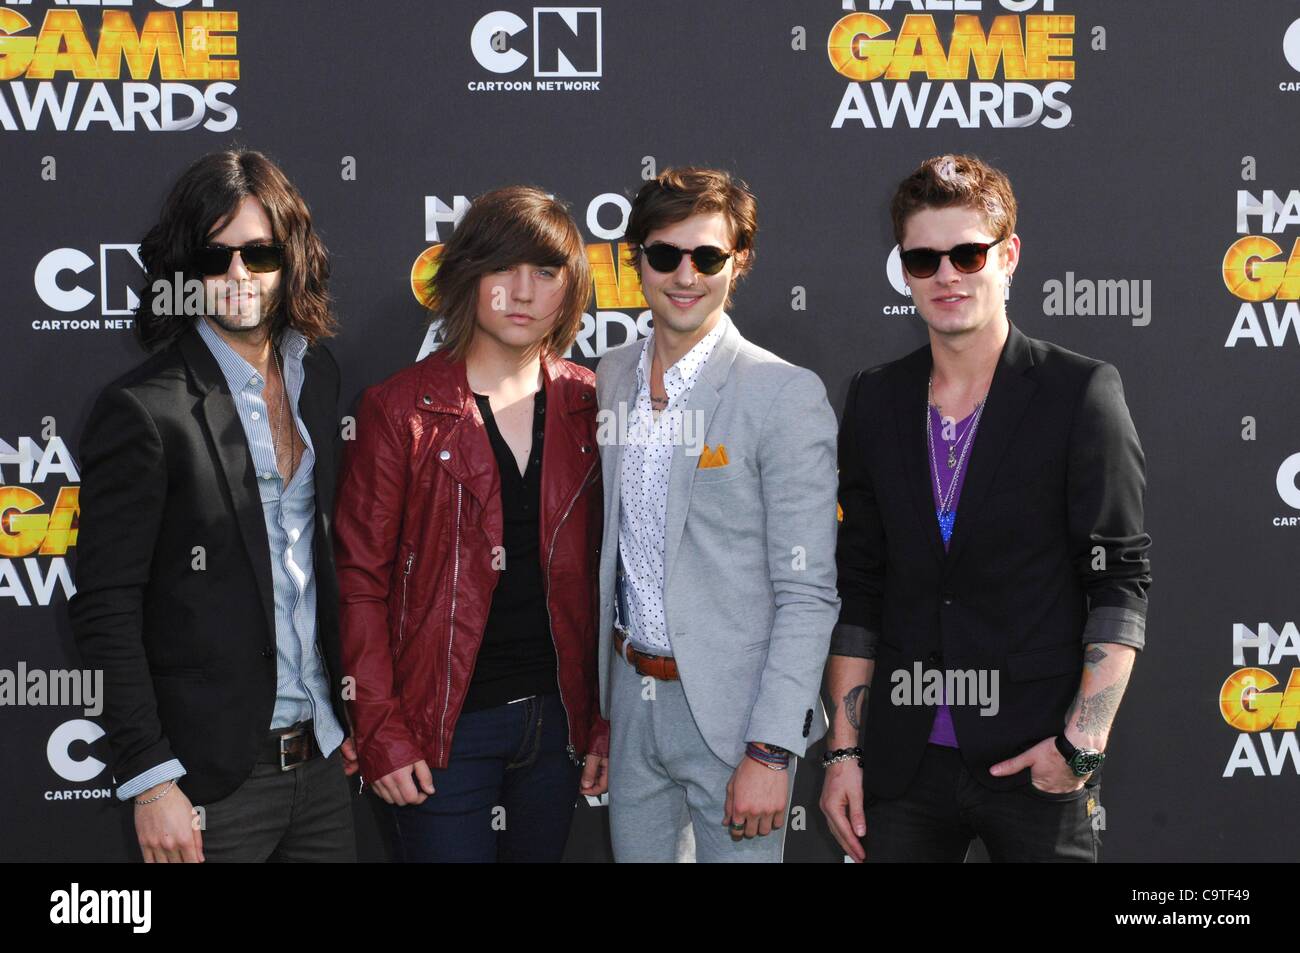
(467,534)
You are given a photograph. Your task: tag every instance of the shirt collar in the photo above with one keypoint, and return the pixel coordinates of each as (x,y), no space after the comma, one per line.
(689,364)
(238,372)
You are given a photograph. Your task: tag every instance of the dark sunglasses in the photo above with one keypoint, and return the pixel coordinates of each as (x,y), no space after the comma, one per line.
(968,258)
(706,259)
(258,257)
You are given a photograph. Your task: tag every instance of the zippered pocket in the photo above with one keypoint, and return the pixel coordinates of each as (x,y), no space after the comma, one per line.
(406,579)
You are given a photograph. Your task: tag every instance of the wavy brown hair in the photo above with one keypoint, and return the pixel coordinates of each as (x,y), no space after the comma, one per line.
(674,195)
(953,180)
(514,225)
(206,197)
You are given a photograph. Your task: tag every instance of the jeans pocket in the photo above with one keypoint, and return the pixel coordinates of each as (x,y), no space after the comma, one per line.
(1060,798)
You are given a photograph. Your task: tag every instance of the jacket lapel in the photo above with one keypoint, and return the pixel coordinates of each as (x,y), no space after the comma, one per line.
(1009,396)
(227,437)
(911,403)
(703,399)
(622,402)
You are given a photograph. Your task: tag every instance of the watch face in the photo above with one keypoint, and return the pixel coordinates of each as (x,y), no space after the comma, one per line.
(1086,761)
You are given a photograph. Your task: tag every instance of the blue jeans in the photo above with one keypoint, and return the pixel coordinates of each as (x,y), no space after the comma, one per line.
(507,794)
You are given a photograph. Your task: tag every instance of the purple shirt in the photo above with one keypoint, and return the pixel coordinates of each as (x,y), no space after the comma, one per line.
(943,732)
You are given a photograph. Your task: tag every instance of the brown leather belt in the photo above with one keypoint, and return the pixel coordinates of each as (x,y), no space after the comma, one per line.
(662,667)
(290,747)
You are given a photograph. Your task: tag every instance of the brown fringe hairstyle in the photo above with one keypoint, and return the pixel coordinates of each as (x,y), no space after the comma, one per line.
(949,181)
(674,195)
(515,225)
(204,199)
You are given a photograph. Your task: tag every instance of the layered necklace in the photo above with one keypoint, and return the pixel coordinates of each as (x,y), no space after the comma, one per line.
(956,461)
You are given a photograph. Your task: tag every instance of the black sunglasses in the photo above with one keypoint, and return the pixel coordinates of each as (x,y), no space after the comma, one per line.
(258,257)
(706,259)
(968,258)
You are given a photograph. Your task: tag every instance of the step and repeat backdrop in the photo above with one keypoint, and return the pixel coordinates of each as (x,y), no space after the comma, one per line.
(1152,147)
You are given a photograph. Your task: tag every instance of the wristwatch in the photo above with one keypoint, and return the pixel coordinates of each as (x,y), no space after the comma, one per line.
(1082,761)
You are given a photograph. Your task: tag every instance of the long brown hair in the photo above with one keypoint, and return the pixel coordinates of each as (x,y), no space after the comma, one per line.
(203,200)
(509,226)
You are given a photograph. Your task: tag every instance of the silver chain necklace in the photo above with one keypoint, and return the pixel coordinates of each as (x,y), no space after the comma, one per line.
(945,499)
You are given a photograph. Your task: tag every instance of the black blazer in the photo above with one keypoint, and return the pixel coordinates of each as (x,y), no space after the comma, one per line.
(1056,470)
(188,653)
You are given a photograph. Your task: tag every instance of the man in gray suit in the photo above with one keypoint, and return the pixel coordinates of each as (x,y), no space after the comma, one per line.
(719,546)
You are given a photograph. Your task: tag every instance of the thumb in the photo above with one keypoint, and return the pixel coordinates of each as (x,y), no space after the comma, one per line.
(424,777)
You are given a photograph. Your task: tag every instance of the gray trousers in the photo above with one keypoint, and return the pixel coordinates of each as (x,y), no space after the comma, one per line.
(302,815)
(667,789)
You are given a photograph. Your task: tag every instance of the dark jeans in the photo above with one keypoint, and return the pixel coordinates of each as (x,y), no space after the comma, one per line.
(506,795)
(296,816)
(945,808)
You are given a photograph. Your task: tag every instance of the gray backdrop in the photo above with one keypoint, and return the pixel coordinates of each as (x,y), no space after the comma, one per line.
(1130,164)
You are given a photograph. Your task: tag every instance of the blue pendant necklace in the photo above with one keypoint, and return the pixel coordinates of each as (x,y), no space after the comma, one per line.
(944,512)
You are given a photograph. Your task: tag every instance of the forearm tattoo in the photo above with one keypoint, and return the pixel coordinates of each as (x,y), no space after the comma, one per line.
(1095,655)
(855,702)
(1097,711)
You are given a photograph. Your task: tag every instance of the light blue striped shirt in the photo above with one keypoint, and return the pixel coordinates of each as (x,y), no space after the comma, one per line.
(302,688)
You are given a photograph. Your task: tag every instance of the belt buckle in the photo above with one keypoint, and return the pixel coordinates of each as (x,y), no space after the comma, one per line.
(302,752)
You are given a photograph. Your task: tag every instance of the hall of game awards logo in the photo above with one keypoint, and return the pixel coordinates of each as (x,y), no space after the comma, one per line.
(1022,65)
(156,71)
(1254,701)
(1261,271)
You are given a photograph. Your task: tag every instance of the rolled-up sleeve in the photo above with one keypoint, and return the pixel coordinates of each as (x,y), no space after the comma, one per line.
(1107,486)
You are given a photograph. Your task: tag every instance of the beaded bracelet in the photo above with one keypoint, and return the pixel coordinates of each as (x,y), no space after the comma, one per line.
(841,754)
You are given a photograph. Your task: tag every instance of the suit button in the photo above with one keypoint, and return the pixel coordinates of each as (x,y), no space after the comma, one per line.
(444,455)
(586,449)
(268,652)
(427,399)
(947,598)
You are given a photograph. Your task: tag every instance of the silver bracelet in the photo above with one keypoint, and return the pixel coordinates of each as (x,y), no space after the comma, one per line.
(150,800)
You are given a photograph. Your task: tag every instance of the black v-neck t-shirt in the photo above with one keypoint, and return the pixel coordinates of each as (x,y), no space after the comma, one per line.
(517,657)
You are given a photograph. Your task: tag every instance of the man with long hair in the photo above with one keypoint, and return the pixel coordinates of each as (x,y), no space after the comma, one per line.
(206,588)
(467,528)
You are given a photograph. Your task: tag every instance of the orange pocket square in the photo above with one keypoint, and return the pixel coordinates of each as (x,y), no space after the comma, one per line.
(716,457)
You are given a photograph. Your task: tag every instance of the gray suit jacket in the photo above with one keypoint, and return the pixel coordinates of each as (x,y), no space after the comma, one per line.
(749,560)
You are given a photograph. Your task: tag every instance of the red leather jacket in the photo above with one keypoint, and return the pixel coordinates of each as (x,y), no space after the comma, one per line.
(417,518)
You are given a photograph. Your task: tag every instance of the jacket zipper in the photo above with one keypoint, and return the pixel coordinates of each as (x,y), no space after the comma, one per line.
(406,577)
(451,634)
(573,756)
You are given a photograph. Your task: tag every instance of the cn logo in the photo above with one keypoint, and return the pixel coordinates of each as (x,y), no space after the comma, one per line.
(566,41)
(1286,486)
(59,750)
(1291,45)
(61,279)
(894,272)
